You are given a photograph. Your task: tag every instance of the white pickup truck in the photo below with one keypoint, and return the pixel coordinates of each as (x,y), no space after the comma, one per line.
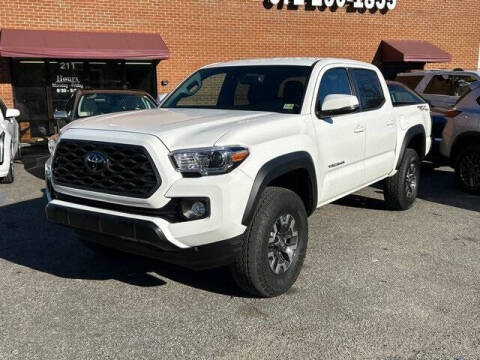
(235,160)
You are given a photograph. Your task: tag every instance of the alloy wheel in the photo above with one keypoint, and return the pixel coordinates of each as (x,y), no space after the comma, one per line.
(469,169)
(411,181)
(282,244)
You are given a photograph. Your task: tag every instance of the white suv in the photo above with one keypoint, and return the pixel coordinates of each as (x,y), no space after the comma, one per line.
(9,142)
(230,167)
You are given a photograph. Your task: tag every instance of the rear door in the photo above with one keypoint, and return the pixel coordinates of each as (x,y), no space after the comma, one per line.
(381,127)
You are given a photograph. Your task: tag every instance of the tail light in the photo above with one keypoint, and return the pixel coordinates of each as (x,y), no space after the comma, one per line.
(452,113)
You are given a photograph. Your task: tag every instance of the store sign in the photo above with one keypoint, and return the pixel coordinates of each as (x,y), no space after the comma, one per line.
(66,81)
(357,4)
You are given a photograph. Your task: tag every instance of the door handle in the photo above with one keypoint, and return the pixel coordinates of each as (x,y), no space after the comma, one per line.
(359,129)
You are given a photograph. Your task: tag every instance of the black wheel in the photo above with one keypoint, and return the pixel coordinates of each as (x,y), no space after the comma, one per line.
(401,190)
(467,169)
(274,245)
(10,176)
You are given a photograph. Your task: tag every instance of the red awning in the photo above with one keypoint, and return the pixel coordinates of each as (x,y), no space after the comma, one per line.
(81,45)
(412,51)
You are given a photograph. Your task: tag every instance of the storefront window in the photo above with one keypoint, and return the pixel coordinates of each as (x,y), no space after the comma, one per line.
(105,75)
(65,78)
(43,86)
(141,76)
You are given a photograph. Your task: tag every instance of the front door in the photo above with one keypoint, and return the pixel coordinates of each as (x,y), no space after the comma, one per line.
(340,139)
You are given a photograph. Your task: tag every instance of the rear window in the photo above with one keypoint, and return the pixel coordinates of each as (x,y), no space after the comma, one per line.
(410,81)
(449,85)
(369,88)
(401,95)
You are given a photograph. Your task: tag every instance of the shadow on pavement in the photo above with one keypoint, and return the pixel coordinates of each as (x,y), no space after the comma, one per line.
(27,239)
(34,160)
(437,185)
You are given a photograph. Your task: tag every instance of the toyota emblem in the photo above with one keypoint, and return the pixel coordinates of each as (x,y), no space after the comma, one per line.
(95,161)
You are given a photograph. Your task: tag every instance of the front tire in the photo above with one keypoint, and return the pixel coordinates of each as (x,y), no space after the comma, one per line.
(401,190)
(467,169)
(274,245)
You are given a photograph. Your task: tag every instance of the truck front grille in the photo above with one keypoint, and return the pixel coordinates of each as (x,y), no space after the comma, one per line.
(117,169)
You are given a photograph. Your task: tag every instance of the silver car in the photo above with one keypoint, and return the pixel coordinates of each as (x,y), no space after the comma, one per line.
(441,88)
(461,139)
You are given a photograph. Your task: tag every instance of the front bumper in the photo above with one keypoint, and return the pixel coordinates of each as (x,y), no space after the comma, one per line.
(136,230)
(141,237)
(227,195)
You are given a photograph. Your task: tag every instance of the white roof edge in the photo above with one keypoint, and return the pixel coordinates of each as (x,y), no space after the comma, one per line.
(295,61)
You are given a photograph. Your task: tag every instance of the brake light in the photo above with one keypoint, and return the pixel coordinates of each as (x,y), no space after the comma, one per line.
(452,113)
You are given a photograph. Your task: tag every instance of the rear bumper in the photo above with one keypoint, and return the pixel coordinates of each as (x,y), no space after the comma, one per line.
(141,237)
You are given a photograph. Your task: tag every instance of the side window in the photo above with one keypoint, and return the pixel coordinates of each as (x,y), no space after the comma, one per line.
(410,81)
(334,81)
(369,88)
(440,85)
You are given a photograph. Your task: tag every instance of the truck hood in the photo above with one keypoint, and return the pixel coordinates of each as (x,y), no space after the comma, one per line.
(176,128)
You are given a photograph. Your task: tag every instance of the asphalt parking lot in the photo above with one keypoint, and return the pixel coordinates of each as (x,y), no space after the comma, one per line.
(376,285)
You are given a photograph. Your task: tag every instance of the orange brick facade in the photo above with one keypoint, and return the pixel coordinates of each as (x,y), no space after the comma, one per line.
(198,32)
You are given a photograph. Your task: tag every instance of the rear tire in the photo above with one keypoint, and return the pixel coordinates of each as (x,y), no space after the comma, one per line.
(274,245)
(10,176)
(467,169)
(401,190)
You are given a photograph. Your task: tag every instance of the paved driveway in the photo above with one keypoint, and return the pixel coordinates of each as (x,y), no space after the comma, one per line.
(376,285)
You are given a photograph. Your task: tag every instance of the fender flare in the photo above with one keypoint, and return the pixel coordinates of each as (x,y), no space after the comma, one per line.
(275,168)
(411,133)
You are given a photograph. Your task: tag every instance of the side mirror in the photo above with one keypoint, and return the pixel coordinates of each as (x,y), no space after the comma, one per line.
(60,115)
(161,97)
(12,113)
(338,104)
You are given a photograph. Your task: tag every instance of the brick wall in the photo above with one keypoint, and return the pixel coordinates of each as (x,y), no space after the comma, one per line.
(203,31)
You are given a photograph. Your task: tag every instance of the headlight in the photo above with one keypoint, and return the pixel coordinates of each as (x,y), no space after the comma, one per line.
(2,142)
(209,161)
(52,143)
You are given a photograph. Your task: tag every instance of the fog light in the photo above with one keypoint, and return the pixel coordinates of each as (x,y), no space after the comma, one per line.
(193,209)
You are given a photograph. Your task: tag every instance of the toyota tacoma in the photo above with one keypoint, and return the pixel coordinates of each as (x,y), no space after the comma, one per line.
(228,169)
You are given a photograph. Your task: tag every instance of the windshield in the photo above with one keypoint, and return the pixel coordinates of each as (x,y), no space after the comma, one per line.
(98,104)
(256,88)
